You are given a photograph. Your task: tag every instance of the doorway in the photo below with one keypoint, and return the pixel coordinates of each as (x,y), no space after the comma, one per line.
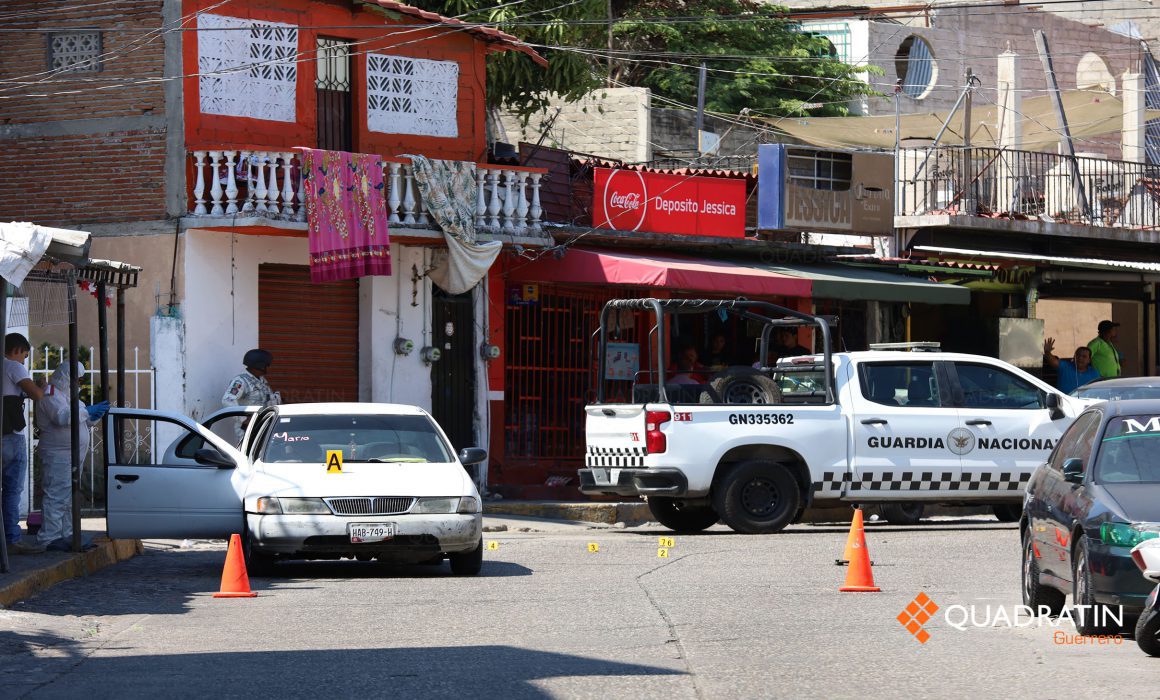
(453,375)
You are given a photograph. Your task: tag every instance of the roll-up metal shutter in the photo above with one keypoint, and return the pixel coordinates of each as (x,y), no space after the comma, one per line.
(312,329)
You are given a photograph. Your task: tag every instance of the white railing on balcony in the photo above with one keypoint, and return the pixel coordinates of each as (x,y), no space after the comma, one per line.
(269,184)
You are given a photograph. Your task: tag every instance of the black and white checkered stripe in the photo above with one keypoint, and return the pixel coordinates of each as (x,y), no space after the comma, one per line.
(615,456)
(833,482)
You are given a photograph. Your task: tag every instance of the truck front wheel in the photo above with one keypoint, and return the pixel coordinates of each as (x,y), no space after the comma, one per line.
(757,497)
(677,514)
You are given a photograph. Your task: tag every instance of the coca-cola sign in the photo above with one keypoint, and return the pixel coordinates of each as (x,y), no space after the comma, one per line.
(627,200)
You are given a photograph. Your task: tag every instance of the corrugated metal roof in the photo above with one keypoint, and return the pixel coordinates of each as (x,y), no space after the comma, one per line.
(488,34)
(1092,263)
(596,161)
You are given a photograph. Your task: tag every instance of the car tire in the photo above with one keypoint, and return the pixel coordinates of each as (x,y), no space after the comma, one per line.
(757,497)
(467,563)
(1148,632)
(258,563)
(745,385)
(902,513)
(1035,594)
(1007,512)
(679,516)
(1082,591)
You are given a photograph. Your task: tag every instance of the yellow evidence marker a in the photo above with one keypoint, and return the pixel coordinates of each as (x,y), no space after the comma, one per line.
(593,547)
(493,545)
(663,553)
(334,461)
(666,542)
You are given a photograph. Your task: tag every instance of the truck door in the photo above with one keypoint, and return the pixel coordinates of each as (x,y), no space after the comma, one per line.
(1011,428)
(906,431)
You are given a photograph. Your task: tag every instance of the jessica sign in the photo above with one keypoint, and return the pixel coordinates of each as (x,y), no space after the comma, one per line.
(626,200)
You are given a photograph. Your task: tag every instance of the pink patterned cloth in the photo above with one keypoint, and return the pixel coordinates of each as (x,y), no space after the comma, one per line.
(346,211)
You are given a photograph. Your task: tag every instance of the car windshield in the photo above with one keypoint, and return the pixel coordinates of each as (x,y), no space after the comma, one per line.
(360,438)
(1110,392)
(1130,451)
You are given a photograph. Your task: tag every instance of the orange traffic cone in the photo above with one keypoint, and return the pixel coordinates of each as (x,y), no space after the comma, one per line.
(855,525)
(235,582)
(859,577)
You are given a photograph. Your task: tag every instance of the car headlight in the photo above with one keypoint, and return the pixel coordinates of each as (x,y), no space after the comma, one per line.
(436,505)
(304,506)
(468,504)
(1124,535)
(269,505)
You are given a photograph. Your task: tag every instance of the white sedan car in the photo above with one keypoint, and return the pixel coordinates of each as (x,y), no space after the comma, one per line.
(309,481)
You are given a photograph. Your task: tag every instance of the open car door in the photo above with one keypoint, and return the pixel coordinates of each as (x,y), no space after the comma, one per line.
(152,494)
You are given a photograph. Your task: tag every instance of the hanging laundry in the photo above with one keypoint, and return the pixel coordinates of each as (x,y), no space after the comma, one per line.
(346,212)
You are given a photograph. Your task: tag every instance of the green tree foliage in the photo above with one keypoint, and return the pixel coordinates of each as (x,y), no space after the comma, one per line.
(757,59)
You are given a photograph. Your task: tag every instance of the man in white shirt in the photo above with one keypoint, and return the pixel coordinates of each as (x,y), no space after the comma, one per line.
(17,385)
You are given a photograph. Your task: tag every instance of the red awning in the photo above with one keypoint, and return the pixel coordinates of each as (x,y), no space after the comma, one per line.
(587,266)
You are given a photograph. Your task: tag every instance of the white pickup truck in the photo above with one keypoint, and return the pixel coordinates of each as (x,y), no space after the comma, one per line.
(753,447)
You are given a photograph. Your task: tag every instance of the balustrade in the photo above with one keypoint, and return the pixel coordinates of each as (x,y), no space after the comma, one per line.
(269,185)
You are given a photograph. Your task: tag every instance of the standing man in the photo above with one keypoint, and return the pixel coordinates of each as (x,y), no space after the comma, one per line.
(1073,373)
(250,387)
(17,384)
(54,419)
(1105,357)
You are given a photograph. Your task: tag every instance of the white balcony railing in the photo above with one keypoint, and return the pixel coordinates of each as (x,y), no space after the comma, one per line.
(269,184)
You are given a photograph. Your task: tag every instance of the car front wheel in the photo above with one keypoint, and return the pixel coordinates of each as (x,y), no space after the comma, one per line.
(258,563)
(467,563)
(1148,632)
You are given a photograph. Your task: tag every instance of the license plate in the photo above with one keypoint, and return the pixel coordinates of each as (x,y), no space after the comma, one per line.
(362,533)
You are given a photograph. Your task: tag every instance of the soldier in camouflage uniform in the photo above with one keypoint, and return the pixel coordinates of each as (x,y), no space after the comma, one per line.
(250,387)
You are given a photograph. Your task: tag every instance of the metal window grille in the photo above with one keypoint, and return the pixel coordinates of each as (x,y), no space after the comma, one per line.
(333,65)
(74,52)
(839,35)
(820,170)
(550,371)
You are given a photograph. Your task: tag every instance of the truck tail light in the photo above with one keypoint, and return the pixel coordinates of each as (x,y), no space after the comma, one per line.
(654,440)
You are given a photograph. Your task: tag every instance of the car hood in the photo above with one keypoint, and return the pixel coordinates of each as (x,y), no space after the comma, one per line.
(1135,502)
(361,479)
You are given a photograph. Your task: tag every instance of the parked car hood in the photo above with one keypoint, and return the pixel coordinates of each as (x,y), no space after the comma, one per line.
(361,479)
(1135,502)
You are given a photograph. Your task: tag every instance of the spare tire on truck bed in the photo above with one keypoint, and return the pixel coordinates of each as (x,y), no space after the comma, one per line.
(744,385)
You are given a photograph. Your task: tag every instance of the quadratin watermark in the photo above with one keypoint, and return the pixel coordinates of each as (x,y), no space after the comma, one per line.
(962,617)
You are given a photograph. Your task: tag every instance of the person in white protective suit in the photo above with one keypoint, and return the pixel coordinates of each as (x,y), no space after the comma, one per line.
(53,418)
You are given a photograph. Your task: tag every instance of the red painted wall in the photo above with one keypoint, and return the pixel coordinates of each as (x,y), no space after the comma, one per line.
(206,131)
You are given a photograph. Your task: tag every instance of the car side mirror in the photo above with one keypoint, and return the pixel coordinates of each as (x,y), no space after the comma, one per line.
(472,455)
(1073,470)
(212,458)
(1053,405)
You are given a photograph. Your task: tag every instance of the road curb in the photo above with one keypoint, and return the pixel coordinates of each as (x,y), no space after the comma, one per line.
(104,554)
(637,512)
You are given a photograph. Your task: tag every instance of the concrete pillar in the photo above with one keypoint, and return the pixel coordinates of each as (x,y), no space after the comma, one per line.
(167,348)
(1010,130)
(1132,140)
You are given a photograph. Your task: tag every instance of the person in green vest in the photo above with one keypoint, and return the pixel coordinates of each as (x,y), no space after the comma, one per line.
(1105,357)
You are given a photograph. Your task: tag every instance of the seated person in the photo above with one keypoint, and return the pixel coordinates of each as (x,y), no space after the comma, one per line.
(687,368)
(716,356)
(787,339)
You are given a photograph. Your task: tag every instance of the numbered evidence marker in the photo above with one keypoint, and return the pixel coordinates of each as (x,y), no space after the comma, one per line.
(593,547)
(663,553)
(334,461)
(493,545)
(666,542)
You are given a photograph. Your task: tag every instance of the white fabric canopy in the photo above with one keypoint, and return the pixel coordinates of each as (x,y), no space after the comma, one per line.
(1089,113)
(22,245)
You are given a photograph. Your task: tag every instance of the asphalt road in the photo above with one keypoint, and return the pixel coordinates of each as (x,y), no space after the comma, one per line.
(724,616)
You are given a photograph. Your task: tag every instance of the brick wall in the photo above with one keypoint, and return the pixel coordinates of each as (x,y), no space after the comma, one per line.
(82,147)
(612,123)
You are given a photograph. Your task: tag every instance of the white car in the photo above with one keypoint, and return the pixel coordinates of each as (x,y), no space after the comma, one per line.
(309,481)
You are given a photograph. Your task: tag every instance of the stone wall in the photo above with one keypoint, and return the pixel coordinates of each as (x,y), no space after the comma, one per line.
(611,123)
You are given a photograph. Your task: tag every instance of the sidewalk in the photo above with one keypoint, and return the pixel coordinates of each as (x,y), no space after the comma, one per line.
(30,574)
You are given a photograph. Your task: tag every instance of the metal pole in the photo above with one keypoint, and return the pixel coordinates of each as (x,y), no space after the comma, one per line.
(609,79)
(970,205)
(1057,101)
(74,412)
(3,333)
(946,124)
(700,106)
(103,341)
(900,192)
